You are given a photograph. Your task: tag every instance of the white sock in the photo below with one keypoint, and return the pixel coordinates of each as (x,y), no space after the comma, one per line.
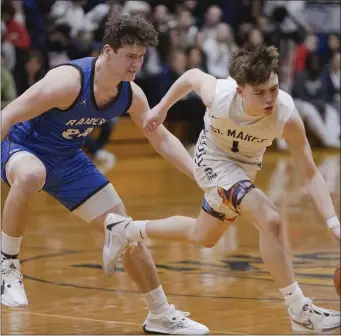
(294,297)
(136,231)
(10,245)
(156,301)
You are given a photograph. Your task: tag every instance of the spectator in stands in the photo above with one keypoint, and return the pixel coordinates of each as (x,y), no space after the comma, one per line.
(7,50)
(242,34)
(137,7)
(29,72)
(196,58)
(218,51)
(172,72)
(333,47)
(309,45)
(191,5)
(71,13)
(213,17)
(8,90)
(331,81)
(310,98)
(161,19)
(255,38)
(59,41)
(36,12)
(96,14)
(187,29)
(308,84)
(16,32)
(265,28)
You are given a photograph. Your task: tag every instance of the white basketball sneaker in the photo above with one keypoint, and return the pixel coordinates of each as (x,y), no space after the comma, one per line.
(314,319)
(174,322)
(115,242)
(12,287)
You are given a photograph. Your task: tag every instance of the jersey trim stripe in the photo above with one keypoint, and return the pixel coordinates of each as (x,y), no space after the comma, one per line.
(82,86)
(89,196)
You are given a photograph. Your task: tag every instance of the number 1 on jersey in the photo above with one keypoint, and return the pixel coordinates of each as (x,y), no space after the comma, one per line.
(235,148)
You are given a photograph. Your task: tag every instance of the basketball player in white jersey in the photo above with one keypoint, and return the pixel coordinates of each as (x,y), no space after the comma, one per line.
(245,113)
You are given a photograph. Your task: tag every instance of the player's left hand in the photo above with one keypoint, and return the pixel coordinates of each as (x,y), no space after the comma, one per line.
(156,116)
(336,231)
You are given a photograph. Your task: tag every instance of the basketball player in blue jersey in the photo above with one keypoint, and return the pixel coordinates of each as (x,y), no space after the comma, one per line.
(42,133)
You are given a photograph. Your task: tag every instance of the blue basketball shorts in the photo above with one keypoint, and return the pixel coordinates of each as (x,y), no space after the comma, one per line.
(71,180)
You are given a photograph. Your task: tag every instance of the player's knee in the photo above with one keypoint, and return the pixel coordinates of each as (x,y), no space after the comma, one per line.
(273,224)
(30,181)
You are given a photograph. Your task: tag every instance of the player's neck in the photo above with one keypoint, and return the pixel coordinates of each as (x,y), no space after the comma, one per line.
(103,79)
(248,110)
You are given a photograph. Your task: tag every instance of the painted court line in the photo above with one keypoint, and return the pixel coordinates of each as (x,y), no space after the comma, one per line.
(101,321)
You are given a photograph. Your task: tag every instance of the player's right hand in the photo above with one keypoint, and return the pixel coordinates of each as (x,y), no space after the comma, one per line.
(155,117)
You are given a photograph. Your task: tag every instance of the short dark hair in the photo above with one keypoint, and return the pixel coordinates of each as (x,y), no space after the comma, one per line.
(123,30)
(254,66)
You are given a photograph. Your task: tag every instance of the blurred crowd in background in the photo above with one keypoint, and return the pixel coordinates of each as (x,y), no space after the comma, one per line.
(37,35)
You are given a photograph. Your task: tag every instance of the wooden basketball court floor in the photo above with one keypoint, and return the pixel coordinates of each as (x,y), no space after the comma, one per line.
(226,287)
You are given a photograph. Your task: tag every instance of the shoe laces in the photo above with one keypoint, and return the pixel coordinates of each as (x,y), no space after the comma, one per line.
(10,268)
(130,247)
(310,308)
(124,248)
(324,311)
(177,315)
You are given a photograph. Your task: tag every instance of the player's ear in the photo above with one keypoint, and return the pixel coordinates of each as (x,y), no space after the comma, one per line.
(106,50)
(240,90)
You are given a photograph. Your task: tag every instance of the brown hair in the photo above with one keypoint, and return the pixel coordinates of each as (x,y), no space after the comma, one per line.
(122,30)
(254,66)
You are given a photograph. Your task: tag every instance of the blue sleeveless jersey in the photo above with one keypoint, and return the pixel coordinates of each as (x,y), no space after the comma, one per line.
(61,133)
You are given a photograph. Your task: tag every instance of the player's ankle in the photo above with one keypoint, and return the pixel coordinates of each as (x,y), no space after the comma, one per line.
(10,246)
(293,297)
(136,231)
(156,301)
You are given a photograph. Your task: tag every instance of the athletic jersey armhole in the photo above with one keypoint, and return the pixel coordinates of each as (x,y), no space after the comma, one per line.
(130,98)
(216,95)
(283,123)
(290,108)
(222,91)
(81,89)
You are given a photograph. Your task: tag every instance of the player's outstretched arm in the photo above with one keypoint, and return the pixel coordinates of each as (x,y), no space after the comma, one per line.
(59,88)
(298,144)
(192,80)
(163,141)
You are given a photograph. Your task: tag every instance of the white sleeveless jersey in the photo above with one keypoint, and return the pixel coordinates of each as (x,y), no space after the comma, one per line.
(230,132)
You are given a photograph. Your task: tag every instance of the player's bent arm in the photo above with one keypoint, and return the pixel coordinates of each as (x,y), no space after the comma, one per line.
(201,83)
(59,88)
(163,141)
(298,145)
